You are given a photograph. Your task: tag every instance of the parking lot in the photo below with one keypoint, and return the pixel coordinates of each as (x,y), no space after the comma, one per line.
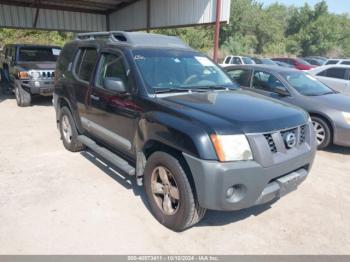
(56,202)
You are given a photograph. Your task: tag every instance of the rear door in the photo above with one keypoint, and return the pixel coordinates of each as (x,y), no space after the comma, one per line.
(336,78)
(112,114)
(83,68)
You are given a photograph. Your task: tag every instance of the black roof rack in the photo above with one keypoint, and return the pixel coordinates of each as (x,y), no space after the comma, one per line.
(136,39)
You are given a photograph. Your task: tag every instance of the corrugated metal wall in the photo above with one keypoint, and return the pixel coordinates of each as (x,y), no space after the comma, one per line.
(164,13)
(23,17)
(167,13)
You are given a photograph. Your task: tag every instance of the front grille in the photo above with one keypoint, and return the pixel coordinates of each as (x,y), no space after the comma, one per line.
(271,143)
(299,132)
(302,134)
(47,75)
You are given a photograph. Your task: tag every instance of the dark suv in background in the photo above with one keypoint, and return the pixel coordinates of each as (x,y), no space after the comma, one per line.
(28,70)
(168,115)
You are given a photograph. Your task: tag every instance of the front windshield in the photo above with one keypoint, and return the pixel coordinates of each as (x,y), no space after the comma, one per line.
(169,69)
(247,60)
(306,84)
(39,54)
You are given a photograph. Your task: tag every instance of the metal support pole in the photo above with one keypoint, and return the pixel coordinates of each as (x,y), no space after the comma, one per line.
(36,17)
(148,16)
(217,30)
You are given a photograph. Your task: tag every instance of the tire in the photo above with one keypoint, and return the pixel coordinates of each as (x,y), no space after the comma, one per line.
(323,132)
(183,210)
(69,132)
(23,98)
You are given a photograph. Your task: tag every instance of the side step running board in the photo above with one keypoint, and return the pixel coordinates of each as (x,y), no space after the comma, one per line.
(108,155)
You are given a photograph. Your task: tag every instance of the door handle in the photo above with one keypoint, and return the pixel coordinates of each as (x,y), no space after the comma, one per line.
(95,97)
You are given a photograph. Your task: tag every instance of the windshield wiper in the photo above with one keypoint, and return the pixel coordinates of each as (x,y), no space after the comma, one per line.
(171,90)
(328,93)
(211,88)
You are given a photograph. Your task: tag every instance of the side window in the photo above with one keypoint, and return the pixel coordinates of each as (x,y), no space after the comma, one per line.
(331,62)
(236,61)
(265,81)
(65,57)
(13,53)
(345,63)
(322,73)
(110,65)
(85,63)
(241,76)
(336,73)
(227,60)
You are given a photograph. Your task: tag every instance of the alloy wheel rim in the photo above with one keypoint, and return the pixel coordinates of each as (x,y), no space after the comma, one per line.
(165,190)
(66,129)
(320,132)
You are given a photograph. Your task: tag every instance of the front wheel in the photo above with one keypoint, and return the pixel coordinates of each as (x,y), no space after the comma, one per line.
(23,98)
(170,194)
(323,132)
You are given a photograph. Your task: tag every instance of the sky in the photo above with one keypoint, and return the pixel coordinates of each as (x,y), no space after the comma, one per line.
(335,6)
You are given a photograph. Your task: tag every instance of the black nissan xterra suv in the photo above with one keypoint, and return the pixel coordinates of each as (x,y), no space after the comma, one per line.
(28,70)
(166,114)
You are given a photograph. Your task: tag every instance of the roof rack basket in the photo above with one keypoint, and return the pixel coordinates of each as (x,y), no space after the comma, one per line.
(113,36)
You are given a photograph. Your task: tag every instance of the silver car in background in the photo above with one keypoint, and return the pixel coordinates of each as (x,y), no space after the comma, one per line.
(329,110)
(336,77)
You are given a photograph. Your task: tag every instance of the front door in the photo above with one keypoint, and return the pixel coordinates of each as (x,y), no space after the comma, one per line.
(111,114)
(265,83)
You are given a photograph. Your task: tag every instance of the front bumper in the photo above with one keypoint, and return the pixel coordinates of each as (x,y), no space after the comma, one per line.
(341,134)
(42,87)
(252,183)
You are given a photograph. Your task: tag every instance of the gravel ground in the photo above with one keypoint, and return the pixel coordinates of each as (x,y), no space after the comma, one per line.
(56,202)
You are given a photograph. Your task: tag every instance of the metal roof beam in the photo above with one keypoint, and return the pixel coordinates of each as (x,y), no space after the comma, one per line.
(51,7)
(121,6)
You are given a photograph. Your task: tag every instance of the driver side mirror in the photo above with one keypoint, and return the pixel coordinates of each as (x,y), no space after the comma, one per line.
(114,84)
(281,90)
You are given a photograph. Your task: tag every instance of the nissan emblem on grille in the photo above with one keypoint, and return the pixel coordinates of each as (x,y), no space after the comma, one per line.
(290,140)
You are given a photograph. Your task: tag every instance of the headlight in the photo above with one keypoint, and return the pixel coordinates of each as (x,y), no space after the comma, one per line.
(232,147)
(35,75)
(346,115)
(23,75)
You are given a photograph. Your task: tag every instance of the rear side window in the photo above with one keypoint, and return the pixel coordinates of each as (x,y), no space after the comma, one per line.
(227,60)
(85,63)
(338,73)
(242,77)
(345,63)
(65,57)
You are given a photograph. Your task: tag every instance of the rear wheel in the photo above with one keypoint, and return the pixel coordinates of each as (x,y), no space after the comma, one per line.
(169,193)
(69,133)
(323,132)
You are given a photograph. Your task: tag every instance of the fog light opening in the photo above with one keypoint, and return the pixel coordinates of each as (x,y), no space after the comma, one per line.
(235,193)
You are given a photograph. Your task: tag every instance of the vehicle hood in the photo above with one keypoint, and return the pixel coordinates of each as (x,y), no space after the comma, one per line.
(335,101)
(238,110)
(37,65)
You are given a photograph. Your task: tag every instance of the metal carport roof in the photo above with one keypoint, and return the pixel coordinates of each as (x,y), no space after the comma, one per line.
(102,15)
